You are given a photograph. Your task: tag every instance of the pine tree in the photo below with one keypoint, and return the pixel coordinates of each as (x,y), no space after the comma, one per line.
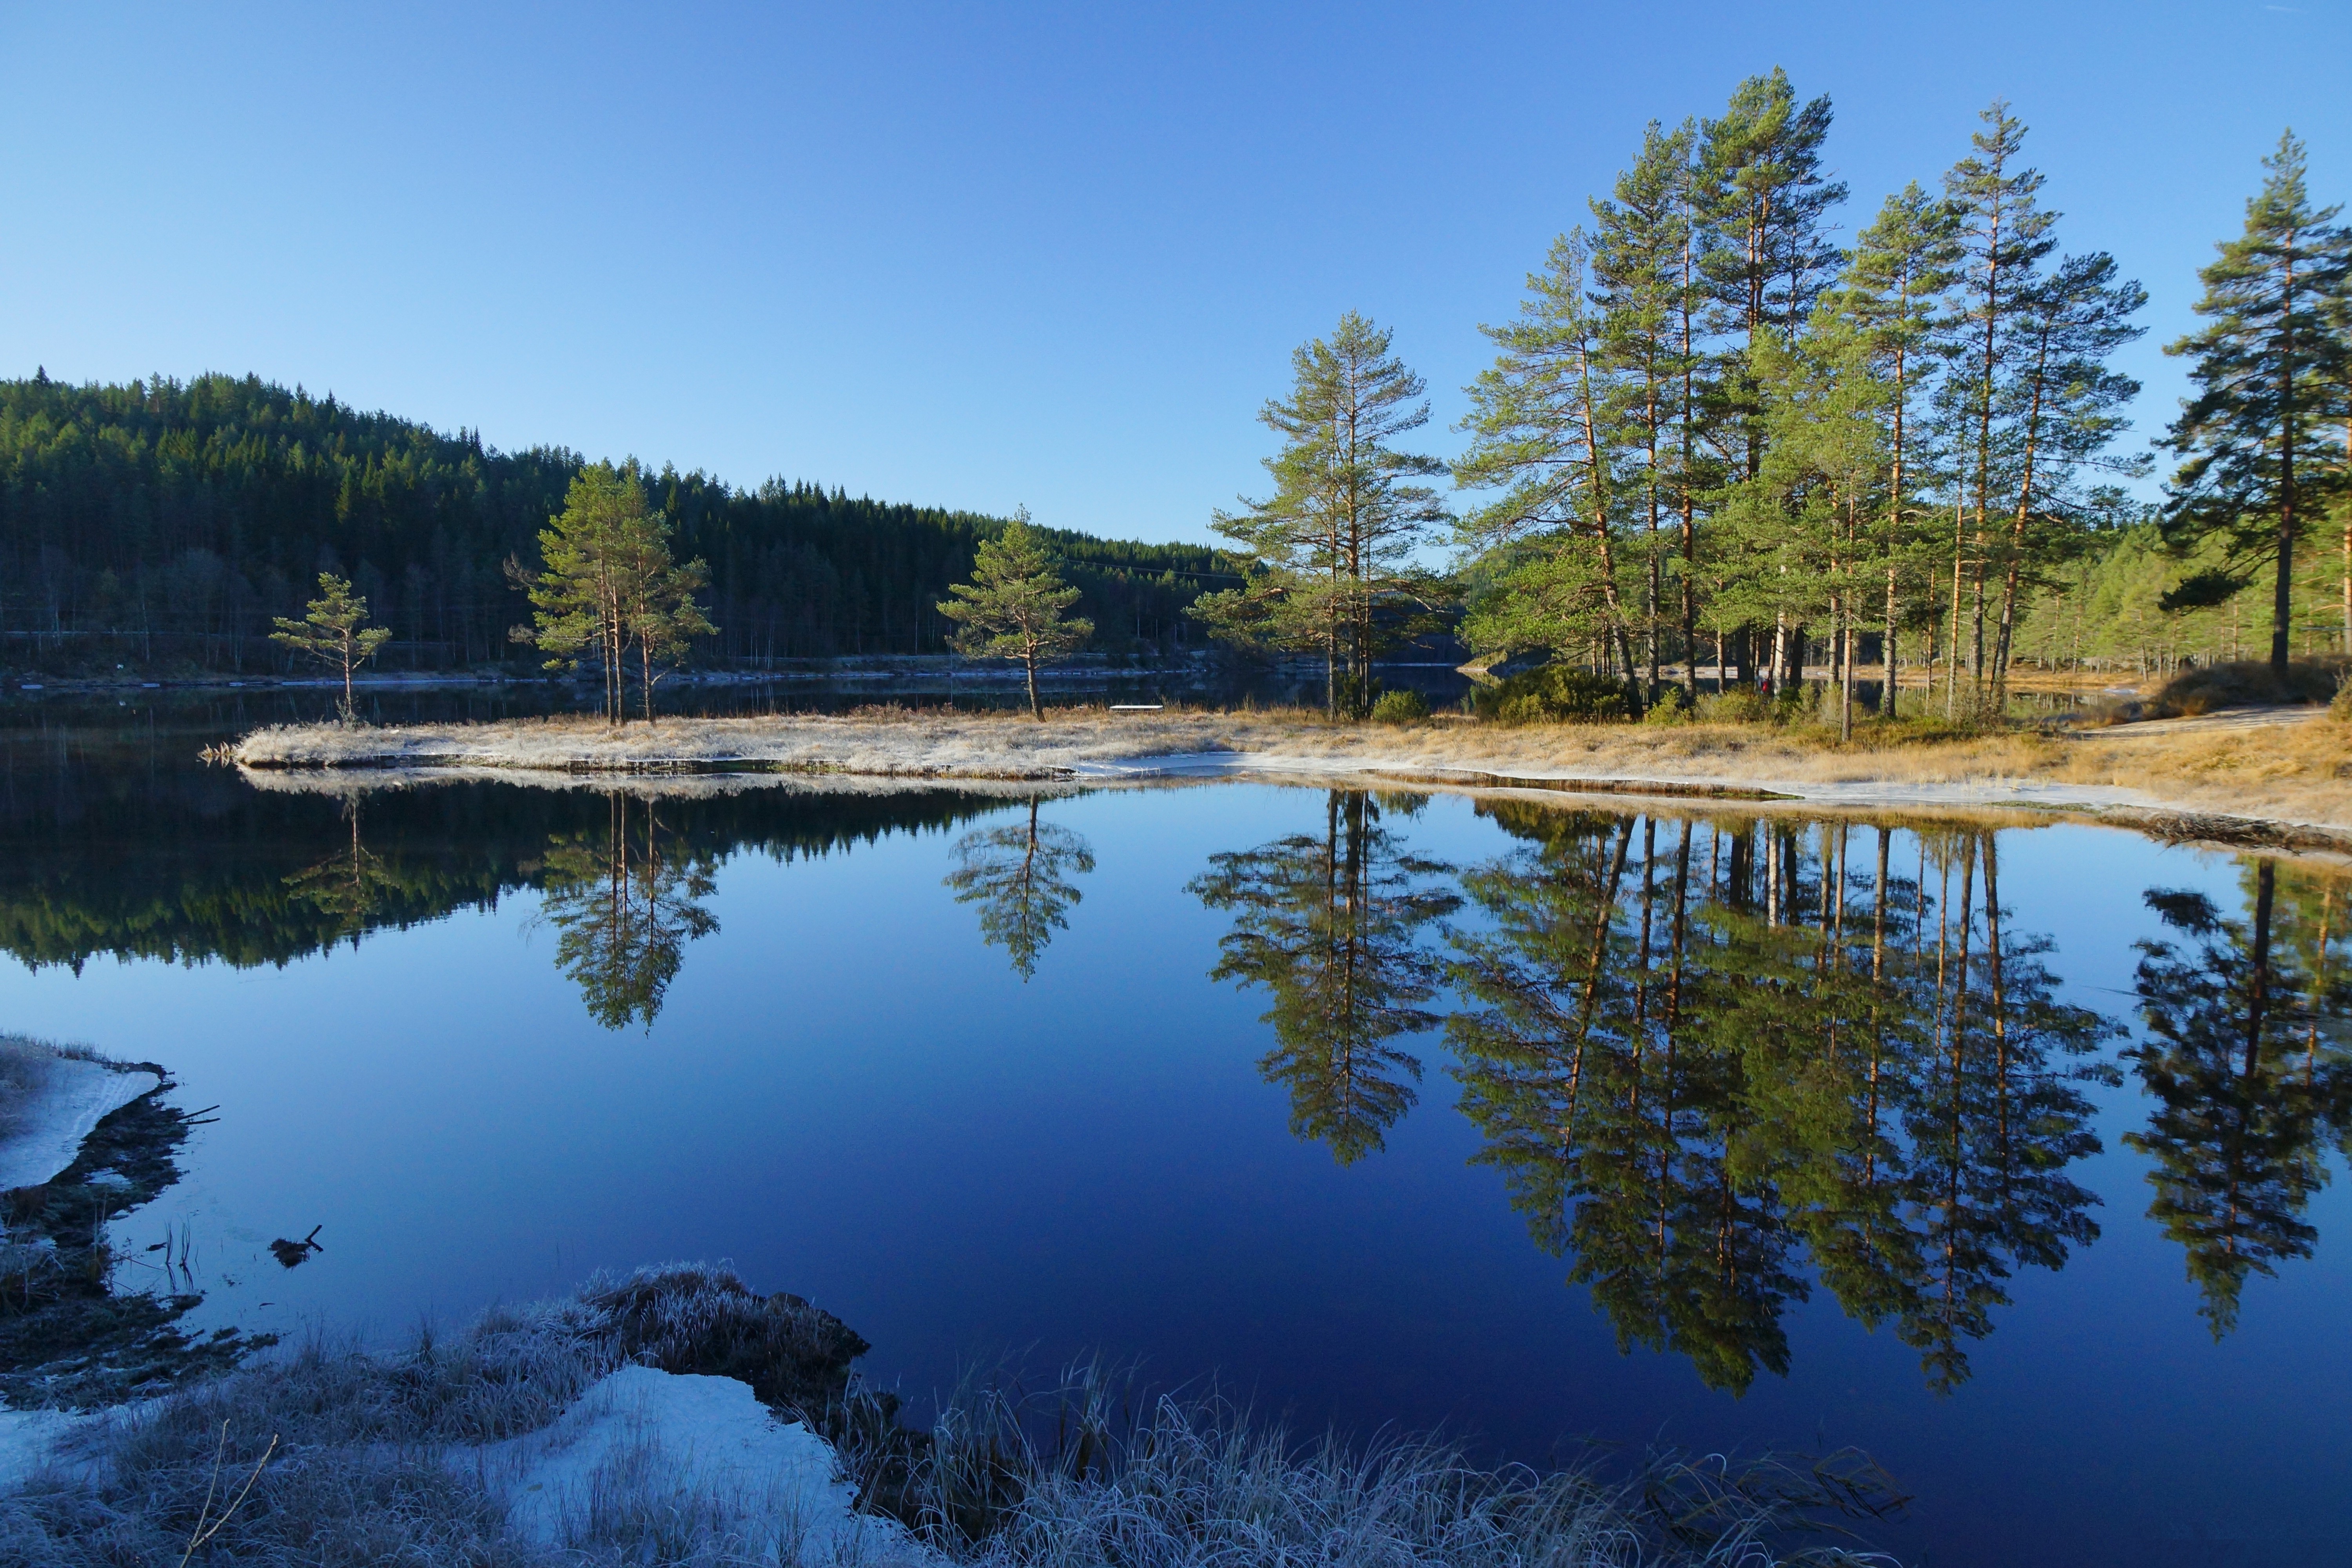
(334,632)
(1015,605)
(2259,438)
(579,595)
(1644,248)
(2005,236)
(607,582)
(2063,410)
(1767,258)
(1544,428)
(660,612)
(1331,550)
(1800,548)
(1889,300)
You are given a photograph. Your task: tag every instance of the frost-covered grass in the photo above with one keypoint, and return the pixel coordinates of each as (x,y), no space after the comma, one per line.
(2287,765)
(384,1459)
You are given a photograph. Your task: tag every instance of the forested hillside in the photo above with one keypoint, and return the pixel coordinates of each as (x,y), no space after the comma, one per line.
(164,524)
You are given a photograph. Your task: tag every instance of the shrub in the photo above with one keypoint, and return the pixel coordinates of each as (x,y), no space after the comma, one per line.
(1555,694)
(1670,707)
(1399,708)
(2244,682)
(1742,705)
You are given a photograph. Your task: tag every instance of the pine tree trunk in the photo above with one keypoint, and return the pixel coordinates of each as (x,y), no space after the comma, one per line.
(1029,665)
(1952,658)
(1886,654)
(2347,554)
(2282,589)
(2017,530)
(1690,526)
(1618,641)
(1845,691)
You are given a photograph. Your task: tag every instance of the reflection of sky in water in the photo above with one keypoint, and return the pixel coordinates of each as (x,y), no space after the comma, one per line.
(851,1096)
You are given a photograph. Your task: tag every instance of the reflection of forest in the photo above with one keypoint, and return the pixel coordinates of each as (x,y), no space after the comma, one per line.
(191,864)
(1718,1062)
(2245,1060)
(1698,1051)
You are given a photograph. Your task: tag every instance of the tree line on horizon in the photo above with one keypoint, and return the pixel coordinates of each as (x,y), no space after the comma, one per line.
(164,523)
(1713,435)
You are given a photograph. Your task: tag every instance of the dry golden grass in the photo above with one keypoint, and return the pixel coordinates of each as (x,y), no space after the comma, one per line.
(2262,766)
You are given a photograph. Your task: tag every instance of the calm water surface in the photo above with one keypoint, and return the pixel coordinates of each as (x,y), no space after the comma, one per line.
(2003,1156)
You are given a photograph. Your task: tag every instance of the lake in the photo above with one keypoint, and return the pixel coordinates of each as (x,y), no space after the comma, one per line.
(1998,1149)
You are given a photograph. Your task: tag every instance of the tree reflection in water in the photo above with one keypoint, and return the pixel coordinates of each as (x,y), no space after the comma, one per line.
(1330,925)
(1690,1067)
(2245,1060)
(626,901)
(346,886)
(1020,878)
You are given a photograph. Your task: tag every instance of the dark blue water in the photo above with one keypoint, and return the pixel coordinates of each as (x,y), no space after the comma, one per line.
(1499,1161)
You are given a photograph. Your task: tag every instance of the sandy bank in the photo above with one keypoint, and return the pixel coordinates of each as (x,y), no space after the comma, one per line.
(2285,773)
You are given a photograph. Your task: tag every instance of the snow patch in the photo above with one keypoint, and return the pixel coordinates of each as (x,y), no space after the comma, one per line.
(70,1098)
(684,1451)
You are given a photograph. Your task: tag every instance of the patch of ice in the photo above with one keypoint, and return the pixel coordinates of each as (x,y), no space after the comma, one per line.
(649,1444)
(74,1096)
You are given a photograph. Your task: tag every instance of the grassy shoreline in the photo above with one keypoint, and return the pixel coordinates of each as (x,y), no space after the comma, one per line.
(360,1457)
(2285,772)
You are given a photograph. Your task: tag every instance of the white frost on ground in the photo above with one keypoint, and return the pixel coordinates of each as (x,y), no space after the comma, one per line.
(70,1098)
(29,1439)
(687,1451)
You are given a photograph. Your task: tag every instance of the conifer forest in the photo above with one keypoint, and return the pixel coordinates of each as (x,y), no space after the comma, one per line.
(1739,421)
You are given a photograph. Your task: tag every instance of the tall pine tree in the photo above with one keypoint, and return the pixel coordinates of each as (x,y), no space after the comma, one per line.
(2258,440)
(2005,236)
(1890,299)
(1767,257)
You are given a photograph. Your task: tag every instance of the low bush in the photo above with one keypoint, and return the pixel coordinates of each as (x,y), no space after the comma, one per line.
(1555,694)
(1672,706)
(1742,705)
(2246,683)
(1399,708)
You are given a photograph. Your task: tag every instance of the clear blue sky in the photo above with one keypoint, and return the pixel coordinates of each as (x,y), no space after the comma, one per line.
(984,255)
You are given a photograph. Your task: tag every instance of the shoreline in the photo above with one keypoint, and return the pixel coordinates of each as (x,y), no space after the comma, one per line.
(2272,778)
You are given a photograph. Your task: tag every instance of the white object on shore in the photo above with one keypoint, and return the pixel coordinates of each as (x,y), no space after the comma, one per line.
(683,1447)
(67,1102)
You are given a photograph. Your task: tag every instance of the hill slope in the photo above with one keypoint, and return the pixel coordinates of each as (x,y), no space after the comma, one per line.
(164,523)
